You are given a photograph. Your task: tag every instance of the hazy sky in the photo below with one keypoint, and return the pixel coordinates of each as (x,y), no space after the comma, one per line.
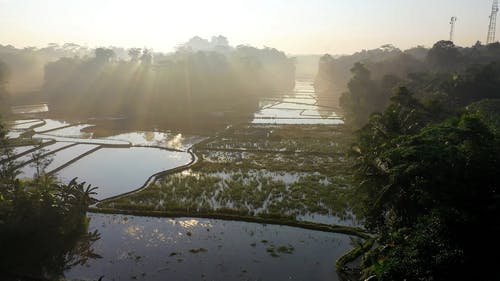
(295,26)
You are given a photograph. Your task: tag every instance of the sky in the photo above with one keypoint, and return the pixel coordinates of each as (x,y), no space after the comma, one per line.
(294,26)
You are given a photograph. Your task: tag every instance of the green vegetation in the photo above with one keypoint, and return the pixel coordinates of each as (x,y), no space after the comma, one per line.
(423,191)
(445,76)
(286,249)
(43,224)
(198,250)
(281,181)
(353,254)
(422,174)
(426,166)
(275,252)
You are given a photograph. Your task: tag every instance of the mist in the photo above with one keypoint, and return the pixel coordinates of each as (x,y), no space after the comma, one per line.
(249,140)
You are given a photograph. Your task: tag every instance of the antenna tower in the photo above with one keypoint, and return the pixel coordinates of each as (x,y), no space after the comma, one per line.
(493,23)
(452,30)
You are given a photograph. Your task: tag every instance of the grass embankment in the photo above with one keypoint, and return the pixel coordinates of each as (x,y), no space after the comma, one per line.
(355,231)
(353,254)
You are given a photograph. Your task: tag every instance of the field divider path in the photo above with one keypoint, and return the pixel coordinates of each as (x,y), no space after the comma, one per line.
(154,177)
(59,128)
(161,147)
(333,228)
(274,151)
(74,160)
(28,151)
(46,154)
(348,230)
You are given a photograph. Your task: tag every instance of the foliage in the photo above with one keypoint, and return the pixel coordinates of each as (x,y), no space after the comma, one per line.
(3,133)
(334,73)
(487,110)
(280,172)
(4,96)
(365,96)
(44,228)
(185,89)
(427,161)
(423,253)
(423,181)
(444,56)
(43,225)
(456,75)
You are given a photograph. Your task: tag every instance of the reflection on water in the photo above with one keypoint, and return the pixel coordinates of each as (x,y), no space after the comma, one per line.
(159,139)
(64,156)
(301,121)
(120,170)
(23,121)
(73,132)
(50,124)
(302,107)
(79,140)
(290,105)
(43,150)
(28,109)
(115,170)
(24,126)
(147,248)
(39,251)
(18,150)
(189,223)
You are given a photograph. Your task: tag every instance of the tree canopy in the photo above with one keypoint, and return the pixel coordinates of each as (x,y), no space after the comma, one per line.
(187,88)
(447,72)
(428,186)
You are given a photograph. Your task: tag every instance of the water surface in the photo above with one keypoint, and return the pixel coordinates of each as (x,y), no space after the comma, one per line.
(30,109)
(18,150)
(120,170)
(43,150)
(51,124)
(27,125)
(159,139)
(302,106)
(301,121)
(73,132)
(144,248)
(80,140)
(64,156)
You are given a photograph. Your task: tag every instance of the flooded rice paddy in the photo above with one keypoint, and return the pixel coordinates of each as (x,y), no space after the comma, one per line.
(146,248)
(121,170)
(116,164)
(260,169)
(30,109)
(302,106)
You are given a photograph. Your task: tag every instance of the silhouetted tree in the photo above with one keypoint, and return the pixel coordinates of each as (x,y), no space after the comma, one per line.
(4,96)
(103,54)
(444,56)
(134,53)
(183,89)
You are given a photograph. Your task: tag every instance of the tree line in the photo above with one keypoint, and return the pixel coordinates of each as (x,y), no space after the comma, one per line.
(202,83)
(380,70)
(427,156)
